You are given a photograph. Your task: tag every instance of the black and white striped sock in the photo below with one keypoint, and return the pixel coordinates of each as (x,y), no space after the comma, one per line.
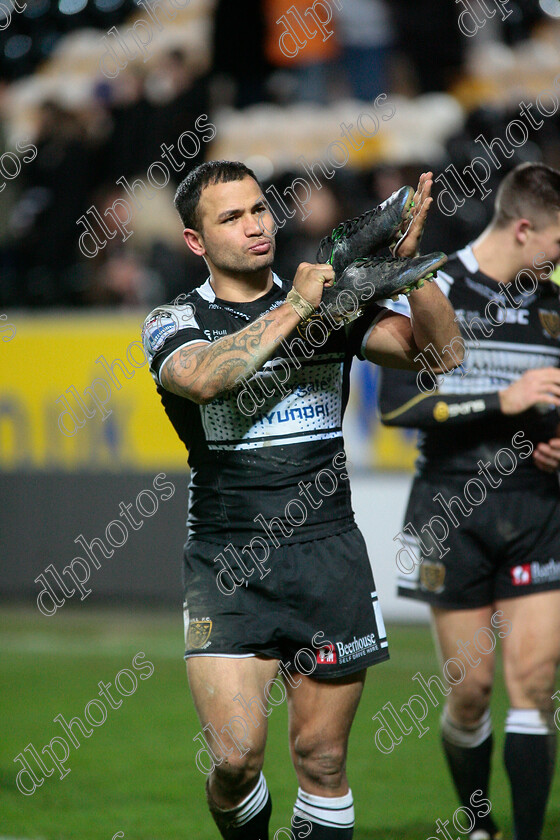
(331,817)
(248,820)
(468,750)
(529,753)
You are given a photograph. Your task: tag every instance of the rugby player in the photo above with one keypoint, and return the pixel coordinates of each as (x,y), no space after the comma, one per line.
(274,562)
(489,452)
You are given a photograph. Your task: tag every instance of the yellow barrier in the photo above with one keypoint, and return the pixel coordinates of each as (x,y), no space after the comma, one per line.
(46,368)
(57,369)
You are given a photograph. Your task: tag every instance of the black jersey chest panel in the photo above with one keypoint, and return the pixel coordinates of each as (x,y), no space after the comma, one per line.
(297,397)
(504,337)
(246,464)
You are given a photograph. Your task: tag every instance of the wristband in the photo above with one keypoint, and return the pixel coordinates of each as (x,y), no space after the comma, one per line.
(302,306)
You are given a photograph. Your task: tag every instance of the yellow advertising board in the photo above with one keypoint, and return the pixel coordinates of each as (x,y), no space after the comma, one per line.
(76,394)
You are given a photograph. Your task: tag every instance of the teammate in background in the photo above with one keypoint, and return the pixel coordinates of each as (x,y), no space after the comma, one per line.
(269,490)
(503,552)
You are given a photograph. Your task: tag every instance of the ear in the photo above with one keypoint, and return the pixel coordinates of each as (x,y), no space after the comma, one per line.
(195,241)
(521,230)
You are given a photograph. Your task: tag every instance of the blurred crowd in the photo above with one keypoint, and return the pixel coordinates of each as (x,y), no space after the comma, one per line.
(408,46)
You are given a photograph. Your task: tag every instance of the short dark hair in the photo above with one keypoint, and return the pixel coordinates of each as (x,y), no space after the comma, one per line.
(187,197)
(530,191)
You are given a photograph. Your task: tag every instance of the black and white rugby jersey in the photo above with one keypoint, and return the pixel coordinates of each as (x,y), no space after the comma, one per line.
(505,335)
(246,467)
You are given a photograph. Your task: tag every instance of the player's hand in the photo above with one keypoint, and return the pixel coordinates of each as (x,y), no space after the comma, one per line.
(547,455)
(541,385)
(311,279)
(408,246)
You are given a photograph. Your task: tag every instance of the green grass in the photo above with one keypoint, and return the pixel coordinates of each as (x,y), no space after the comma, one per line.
(136,773)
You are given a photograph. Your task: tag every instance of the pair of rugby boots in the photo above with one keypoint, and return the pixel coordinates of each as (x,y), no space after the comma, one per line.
(351,250)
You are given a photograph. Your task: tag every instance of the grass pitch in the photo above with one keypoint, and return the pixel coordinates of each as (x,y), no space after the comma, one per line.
(136,773)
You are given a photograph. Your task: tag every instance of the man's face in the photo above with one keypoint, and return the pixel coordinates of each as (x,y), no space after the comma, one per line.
(545,241)
(235,221)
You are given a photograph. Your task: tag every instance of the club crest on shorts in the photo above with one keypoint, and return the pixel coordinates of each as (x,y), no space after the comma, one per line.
(550,321)
(199,633)
(432,576)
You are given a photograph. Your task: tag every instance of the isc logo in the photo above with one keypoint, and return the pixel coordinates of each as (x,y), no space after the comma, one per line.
(513,316)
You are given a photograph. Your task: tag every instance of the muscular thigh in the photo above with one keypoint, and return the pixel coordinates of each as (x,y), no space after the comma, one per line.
(321,714)
(230,694)
(324,706)
(532,648)
(462,639)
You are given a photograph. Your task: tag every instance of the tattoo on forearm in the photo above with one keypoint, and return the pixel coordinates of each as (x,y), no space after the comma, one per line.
(217,367)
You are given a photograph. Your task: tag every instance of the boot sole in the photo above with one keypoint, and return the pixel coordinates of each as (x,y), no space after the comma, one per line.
(398,234)
(429,276)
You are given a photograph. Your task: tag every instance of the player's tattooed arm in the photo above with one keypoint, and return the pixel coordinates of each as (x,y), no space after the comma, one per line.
(202,372)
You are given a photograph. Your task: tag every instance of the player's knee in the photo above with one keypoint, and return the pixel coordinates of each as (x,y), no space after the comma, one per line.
(237,772)
(534,683)
(322,762)
(469,702)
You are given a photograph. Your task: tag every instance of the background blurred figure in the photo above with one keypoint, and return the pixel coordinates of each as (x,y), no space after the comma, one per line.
(430,40)
(366,38)
(294,42)
(239,49)
(147,110)
(298,240)
(126,149)
(54,189)
(177,95)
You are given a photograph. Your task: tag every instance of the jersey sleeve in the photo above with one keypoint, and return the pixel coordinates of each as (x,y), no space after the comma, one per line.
(402,403)
(167,329)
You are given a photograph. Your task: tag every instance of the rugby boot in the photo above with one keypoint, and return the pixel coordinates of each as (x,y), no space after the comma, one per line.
(364,235)
(376,278)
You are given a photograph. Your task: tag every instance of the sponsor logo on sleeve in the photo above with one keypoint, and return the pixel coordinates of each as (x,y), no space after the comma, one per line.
(161,326)
(441,412)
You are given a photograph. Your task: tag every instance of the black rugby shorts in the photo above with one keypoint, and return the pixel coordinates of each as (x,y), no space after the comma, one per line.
(508,546)
(316,610)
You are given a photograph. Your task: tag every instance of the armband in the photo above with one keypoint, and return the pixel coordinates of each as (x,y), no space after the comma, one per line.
(302,306)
